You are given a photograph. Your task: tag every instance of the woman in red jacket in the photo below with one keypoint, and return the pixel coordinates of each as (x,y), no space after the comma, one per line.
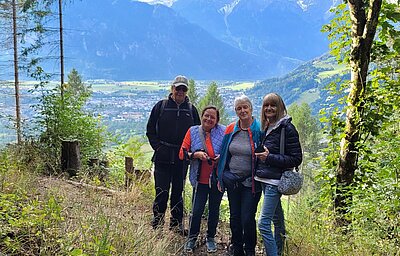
(202,144)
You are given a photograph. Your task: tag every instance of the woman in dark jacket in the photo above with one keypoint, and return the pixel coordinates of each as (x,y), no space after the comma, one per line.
(271,164)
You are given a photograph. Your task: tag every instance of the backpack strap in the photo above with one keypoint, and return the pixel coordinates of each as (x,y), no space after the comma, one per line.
(162,108)
(163,104)
(191,110)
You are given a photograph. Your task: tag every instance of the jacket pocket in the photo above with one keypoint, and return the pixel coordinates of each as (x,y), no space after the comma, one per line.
(163,154)
(269,172)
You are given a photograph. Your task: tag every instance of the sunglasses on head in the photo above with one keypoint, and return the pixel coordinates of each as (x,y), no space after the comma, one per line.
(181,88)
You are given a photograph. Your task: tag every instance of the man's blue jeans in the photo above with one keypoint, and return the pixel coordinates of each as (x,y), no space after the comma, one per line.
(243,207)
(272,212)
(199,201)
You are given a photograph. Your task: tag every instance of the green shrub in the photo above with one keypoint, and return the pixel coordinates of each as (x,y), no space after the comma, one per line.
(63,117)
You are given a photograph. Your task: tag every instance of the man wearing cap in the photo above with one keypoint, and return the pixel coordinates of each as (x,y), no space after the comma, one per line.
(169,120)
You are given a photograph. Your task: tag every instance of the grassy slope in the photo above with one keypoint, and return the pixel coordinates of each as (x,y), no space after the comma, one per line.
(90,221)
(41,215)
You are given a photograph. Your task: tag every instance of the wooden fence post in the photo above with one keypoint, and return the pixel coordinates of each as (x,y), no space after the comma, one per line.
(70,157)
(93,162)
(129,170)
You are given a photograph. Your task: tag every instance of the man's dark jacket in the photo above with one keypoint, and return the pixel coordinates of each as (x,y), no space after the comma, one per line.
(166,132)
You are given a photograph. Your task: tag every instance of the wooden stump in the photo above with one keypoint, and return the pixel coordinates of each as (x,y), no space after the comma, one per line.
(70,157)
(129,172)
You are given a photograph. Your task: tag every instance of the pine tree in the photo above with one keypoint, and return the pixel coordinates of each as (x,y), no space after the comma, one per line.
(212,97)
(75,84)
(192,93)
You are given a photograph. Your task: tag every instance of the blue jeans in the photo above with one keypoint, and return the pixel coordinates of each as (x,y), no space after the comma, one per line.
(272,212)
(199,201)
(243,207)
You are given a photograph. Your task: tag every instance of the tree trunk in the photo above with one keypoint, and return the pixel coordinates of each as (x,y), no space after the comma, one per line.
(16,74)
(70,157)
(364,22)
(61,49)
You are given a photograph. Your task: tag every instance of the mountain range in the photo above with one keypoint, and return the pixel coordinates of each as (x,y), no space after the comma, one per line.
(203,39)
(287,28)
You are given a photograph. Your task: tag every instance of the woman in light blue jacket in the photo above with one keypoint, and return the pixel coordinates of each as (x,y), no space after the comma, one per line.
(236,169)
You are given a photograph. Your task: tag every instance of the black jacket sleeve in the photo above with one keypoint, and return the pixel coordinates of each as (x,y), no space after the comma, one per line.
(151,132)
(293,154)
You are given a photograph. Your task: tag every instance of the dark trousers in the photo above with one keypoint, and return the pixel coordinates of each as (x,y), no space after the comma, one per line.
(243,207)
(199,202)
(168,176)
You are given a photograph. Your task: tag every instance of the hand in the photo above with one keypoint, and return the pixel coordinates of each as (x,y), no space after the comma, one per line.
(263,155)
(219,187)
(216,159)
(203,156)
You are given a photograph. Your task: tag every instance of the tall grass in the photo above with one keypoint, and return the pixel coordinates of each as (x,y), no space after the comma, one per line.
(313,232)
(41,215)
(46,216)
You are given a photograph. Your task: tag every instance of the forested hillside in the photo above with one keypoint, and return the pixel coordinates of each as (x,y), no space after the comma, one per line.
(308,83)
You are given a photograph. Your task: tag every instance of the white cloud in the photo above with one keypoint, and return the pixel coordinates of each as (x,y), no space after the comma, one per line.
(164,2)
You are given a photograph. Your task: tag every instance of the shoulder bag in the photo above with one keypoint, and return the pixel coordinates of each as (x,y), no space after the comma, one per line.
(291,180)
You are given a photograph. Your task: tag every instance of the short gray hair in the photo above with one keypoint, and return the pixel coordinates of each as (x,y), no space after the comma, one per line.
(242,99)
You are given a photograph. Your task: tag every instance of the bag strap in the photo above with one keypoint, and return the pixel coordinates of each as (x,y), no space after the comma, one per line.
(201,134)
(282,145)
(282,142)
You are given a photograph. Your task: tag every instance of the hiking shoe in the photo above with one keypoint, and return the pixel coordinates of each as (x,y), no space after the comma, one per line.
(157,222)
(189,245)
(179,230)
(235,250)
(211,245)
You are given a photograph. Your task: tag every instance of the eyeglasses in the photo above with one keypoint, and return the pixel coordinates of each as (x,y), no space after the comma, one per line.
(181,88)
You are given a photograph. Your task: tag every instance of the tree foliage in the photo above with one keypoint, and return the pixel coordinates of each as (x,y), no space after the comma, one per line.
(67,120)
(308,127)
(354,170)
(192,92)
(212,97)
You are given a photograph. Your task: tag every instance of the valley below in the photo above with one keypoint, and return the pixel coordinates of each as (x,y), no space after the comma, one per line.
(123,107)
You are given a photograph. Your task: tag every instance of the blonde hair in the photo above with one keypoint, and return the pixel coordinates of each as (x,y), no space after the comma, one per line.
(242,99)
(280,108)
